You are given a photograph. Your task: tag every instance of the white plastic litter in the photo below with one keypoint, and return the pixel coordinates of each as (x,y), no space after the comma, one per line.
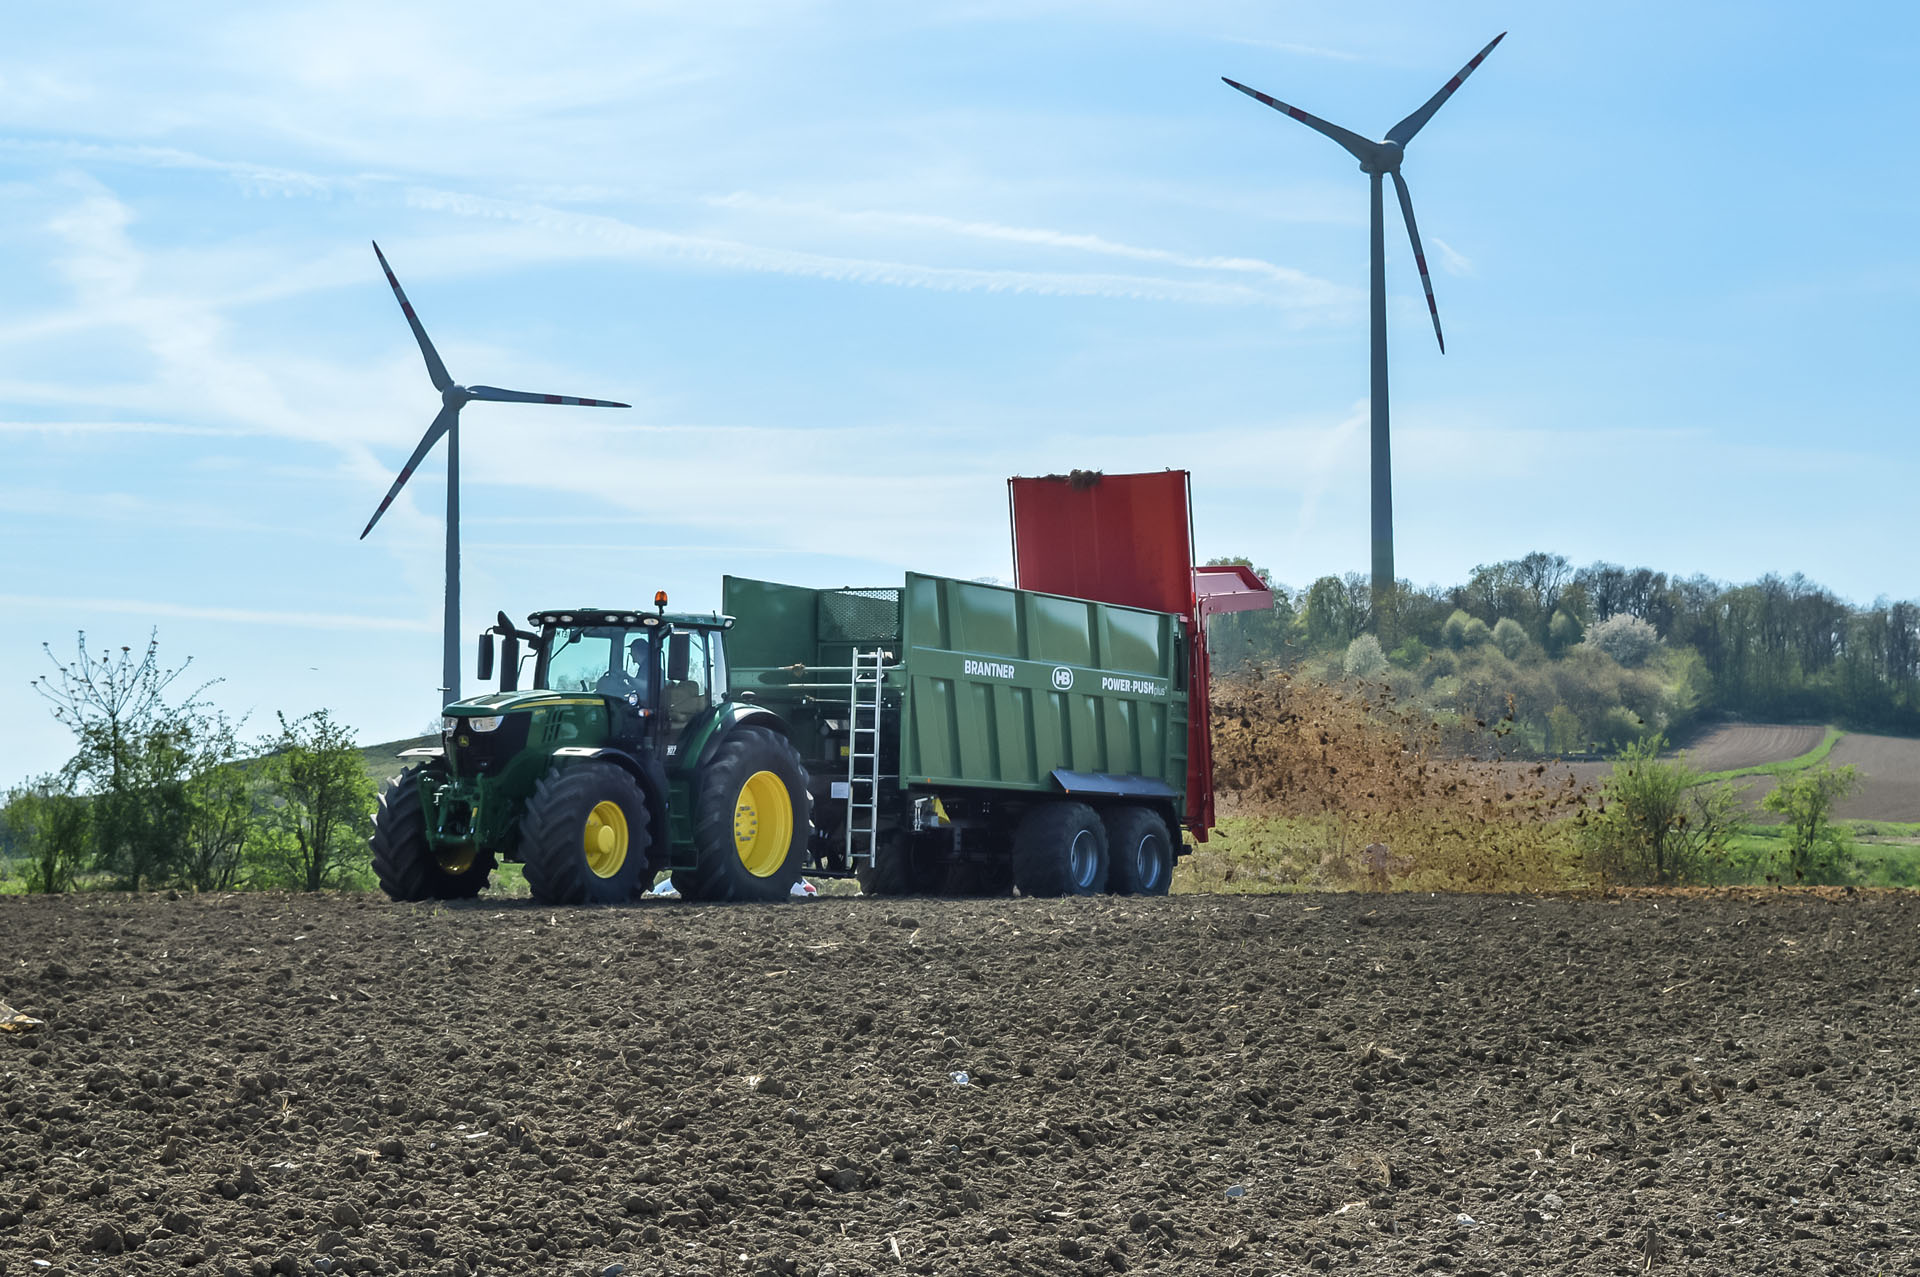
(804,888)
(664,888)
(961,1078)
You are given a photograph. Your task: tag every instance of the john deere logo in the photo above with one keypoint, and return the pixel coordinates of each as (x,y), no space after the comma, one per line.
(1062,678)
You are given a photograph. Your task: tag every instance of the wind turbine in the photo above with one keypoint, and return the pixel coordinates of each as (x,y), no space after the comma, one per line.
(452,399)
(1378,159)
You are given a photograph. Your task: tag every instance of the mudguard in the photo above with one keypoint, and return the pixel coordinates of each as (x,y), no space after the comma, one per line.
(653,783)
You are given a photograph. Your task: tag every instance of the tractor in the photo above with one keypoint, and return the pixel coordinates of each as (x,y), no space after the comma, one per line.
(625,758)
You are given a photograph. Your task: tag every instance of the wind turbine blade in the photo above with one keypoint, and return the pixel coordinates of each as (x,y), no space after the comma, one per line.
(1360,147)
(1419,255)
(435,369)
(441,424)
(520,396)
(1403,132)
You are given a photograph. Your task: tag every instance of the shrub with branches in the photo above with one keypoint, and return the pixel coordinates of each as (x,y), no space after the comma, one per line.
(1657,823)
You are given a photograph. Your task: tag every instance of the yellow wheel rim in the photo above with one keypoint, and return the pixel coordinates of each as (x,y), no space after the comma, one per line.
(763,824)
(456,862)
(605,839)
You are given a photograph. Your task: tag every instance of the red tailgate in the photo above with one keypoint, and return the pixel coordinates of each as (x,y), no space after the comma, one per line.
(1127,539)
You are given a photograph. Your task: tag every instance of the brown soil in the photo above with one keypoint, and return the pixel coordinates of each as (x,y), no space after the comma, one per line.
(1889,778)
(1388,1084)
(1735,745)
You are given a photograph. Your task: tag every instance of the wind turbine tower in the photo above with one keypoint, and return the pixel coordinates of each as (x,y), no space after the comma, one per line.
(452,399)
(1379,160)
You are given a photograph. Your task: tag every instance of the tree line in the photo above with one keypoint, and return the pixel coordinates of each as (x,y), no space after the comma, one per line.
(1620,653)
(163,790)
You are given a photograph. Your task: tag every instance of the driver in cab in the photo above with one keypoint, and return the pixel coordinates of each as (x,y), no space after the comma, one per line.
(628,679)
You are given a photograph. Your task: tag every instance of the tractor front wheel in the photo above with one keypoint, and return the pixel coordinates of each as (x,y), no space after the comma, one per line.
(404,859)
(750,828)
(584,836)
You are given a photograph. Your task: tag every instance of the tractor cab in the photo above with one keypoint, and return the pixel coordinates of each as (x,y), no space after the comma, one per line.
(657,672)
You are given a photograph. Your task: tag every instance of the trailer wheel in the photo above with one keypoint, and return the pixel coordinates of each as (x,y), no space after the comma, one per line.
(585,835)
(1060,849)
(901,867)
(405,862)
(750,830)
(971,878)
(1139,852)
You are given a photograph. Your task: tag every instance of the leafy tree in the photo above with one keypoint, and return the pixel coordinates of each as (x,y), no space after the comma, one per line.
(1511,638)
(321,800)
(46,822)
(1463,630)
(133,754)
(1627,639)
(220,807)
(1563,632)
(1336,612)
(1817,849)
(1563,730)
(1656,822)
(1364,658)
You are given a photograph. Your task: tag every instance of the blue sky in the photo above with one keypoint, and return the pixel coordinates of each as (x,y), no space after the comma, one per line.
(854,264)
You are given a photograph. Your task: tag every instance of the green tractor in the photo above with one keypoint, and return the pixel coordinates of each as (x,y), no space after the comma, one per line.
(625,758)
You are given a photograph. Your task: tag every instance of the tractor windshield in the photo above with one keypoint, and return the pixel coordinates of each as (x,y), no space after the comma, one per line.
(609,660)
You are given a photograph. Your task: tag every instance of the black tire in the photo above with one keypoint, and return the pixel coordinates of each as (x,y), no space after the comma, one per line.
(971,878)
(902,866)
(1139,852)
(404,861)
(730,801)
(567,811)
(1060,849)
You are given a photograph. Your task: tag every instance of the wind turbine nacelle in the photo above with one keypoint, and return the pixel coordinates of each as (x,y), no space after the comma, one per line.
(1384,160)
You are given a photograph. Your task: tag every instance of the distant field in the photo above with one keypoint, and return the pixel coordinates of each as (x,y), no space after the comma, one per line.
(1889,765)
(1736,745)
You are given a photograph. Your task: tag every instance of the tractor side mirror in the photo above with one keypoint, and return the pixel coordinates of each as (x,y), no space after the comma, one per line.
(485,670)
(509,663)
(679,656)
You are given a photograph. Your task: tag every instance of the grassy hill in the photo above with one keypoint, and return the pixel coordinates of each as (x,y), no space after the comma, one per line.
(382,760)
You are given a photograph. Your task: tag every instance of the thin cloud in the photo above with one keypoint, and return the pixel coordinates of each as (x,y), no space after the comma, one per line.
(1451,260)
(1307,50)
(226,615)
(625,239)
(1039,237)
(117,428)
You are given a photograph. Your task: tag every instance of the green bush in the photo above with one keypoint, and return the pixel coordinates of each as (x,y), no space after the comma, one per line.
(1656,823)
(1817,850)
(1511,638)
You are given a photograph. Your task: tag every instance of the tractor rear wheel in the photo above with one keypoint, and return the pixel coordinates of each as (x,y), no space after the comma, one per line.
(405,861)
(750,813)
(1060,849)
(1139,853)
(584,836)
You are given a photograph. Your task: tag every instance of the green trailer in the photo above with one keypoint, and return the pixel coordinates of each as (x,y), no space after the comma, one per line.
(934,736)
(964,737)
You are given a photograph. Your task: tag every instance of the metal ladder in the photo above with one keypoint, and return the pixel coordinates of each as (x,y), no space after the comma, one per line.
(866,687)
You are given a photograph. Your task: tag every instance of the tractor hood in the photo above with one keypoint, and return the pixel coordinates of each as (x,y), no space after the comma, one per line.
(509,702)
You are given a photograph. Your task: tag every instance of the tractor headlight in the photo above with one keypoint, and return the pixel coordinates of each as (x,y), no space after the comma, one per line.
(448,722)
(486,724)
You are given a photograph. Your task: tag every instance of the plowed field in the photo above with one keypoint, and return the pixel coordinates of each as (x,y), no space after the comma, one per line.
(1735,745)
(1386,1084)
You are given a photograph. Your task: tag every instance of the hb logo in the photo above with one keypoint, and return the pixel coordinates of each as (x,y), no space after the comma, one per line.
(1062,678)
